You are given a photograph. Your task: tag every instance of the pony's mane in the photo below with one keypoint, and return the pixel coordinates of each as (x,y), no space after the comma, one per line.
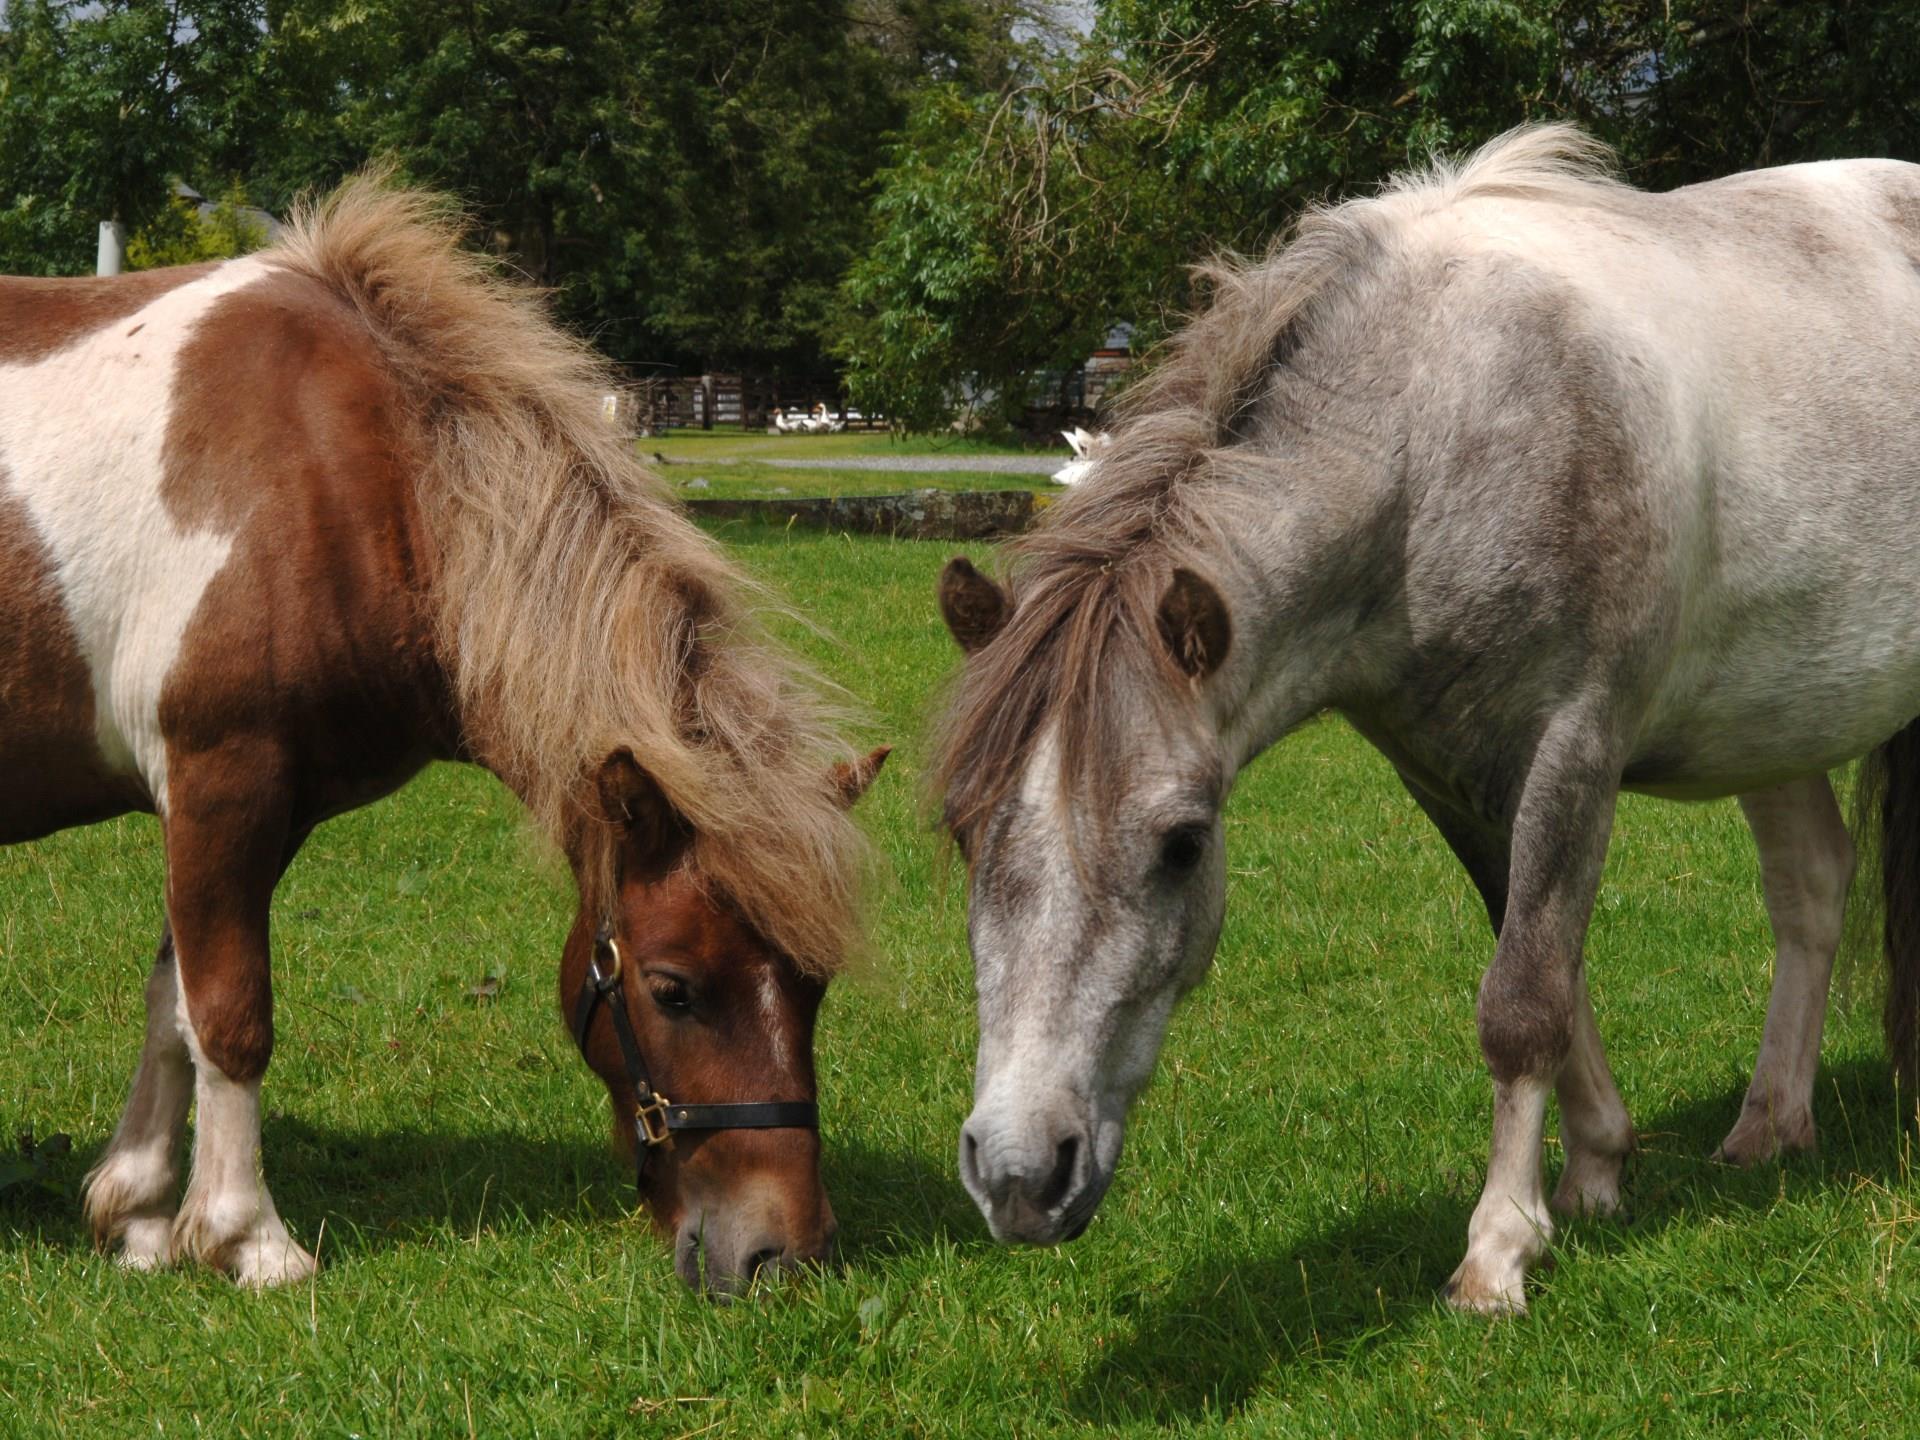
(1086,581)
(577,609)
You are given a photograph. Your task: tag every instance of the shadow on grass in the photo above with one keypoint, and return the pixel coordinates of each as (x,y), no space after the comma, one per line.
(1207,1347)
(386,1188)
(892,1202)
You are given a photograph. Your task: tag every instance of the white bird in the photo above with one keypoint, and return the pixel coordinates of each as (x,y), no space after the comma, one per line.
(1086,454)
(786,424)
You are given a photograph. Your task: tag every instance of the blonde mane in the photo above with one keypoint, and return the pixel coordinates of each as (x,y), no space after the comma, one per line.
(578,610)
(1086,580)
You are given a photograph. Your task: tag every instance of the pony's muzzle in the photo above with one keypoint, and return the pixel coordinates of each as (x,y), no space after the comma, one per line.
(722,1261)
(1037,1187)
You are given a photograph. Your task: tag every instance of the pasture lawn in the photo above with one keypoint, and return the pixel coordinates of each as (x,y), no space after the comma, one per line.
(756,480)
(1295,1188)
(693,444)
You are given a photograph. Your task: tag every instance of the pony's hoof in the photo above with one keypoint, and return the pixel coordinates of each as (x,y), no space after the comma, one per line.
(1590,1189)
(1474,1291)
(146,1243)
(1758,1137)
(259,1263)
(255,1252)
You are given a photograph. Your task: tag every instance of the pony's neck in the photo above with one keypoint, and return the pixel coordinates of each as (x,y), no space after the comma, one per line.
(1316,565)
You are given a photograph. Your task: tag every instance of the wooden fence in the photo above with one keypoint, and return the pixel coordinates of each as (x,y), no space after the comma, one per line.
(647,405)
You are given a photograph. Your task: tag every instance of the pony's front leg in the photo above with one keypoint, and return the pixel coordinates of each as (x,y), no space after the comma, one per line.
(131,1192)
(225,851)
(1529,1006)
(1806,864)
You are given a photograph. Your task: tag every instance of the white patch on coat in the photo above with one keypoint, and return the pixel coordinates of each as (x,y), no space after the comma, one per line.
(131,1192)
(774,1009)
(82,443)
(227,1218)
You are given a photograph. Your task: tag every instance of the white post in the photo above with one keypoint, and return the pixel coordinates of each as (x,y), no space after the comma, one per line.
(113,248)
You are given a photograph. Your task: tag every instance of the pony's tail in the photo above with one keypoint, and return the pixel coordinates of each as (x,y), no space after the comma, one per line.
(1890,794)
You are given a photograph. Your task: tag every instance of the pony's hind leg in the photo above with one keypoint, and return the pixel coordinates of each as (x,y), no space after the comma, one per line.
(1806,863)
(131,1192)
(1595,1132)
(220,880)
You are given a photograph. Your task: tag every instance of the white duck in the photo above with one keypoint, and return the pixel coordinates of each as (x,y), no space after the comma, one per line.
(1086,454)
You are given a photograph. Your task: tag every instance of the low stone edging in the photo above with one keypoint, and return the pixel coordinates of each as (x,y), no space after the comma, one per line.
(912,515)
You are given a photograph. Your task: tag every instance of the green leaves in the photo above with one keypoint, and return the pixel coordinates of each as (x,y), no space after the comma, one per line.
(101,103)
(1014,226)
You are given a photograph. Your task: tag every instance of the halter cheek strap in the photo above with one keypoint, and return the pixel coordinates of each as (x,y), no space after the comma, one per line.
(655,1117)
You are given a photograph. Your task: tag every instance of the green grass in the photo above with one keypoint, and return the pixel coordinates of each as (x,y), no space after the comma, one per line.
(757,444)
(1295,1188)
(757,481)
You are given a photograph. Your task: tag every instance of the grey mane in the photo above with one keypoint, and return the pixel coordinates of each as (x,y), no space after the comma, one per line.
(1085,581)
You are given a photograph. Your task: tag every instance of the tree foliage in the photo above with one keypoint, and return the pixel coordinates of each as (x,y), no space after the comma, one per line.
(101,102)
(179,234)
(691,179)
(912,193)
(1013,229)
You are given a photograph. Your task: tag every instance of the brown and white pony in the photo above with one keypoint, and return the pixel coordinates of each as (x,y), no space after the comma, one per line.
(277,532)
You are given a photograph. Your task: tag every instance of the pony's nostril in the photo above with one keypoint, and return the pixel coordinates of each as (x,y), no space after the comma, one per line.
(1065,1161)
(686,1258)
(767,1257)
(970,1161)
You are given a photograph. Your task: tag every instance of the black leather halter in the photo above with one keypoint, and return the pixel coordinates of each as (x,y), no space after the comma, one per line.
(655,1117)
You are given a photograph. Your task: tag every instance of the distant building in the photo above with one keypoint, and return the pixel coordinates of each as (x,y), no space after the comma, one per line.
(1107,365)
(1078,394)
(204,208)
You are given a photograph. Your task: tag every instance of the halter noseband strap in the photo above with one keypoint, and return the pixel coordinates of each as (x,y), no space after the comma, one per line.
(655,1117)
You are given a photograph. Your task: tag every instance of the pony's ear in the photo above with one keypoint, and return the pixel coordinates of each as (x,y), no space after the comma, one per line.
(1194,624)
(973,606)
(634,803)
(852,777)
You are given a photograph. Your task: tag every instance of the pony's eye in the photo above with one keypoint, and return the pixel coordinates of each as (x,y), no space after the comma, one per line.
(1182,849)
(670,992)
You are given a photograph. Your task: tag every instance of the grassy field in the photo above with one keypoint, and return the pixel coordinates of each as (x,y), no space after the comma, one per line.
(758,445)
(755,480)
(733,464)
(1295,1189)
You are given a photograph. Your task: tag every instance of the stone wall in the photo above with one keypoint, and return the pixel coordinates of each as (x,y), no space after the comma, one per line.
(914,515)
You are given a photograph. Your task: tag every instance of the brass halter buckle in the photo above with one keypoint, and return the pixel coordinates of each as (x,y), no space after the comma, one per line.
(651,1120)
(604,980)
(649,1114)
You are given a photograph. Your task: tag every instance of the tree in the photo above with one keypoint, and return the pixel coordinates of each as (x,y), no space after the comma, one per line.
(101,102)
(691,179)
(1012,229)
(179,234)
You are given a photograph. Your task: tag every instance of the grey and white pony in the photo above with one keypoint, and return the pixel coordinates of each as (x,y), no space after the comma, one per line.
(1553,488)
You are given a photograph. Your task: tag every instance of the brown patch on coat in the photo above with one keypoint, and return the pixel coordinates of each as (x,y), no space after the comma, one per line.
(307,681)
(38,317)
(51,769)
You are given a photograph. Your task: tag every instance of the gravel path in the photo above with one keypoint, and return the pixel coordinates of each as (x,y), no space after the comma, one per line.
(926,464)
